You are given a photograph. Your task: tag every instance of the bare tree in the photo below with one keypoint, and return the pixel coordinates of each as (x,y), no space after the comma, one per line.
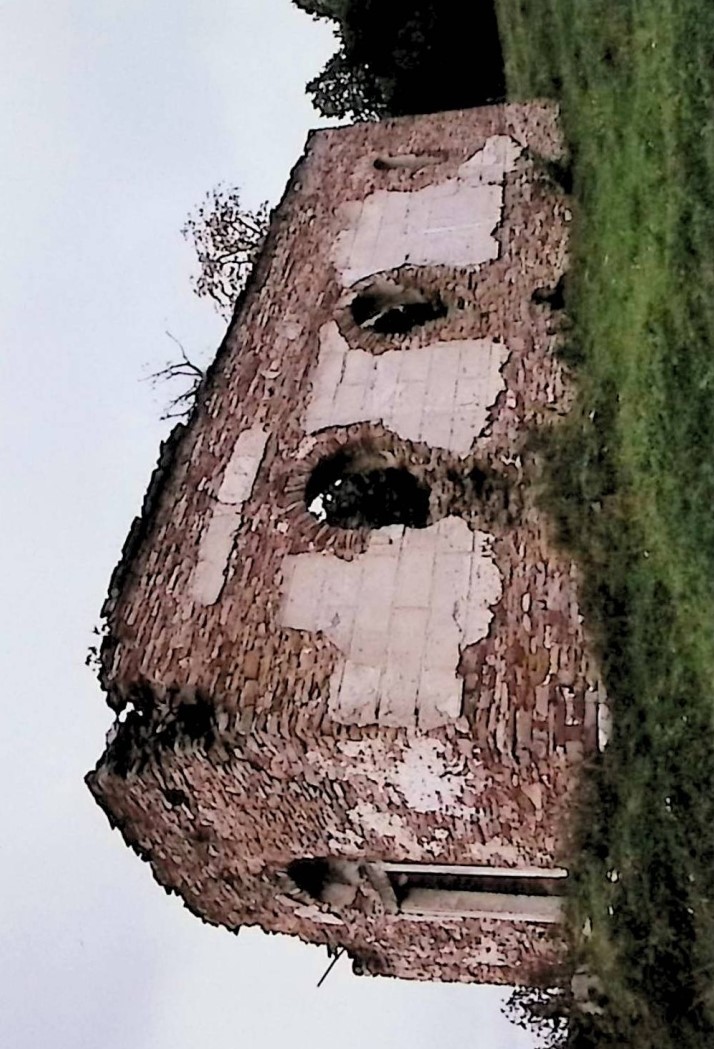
(227,238)
(190,375)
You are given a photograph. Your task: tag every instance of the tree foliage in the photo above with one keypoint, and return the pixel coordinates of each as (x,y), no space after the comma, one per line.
(567,1008)
(336,9)
(344,91)
(227,238)
(544,1011)
(407,56)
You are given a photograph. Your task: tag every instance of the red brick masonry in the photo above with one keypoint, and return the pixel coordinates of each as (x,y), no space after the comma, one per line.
(227,763)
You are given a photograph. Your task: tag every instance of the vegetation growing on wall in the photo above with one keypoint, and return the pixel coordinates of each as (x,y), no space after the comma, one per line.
(227,238)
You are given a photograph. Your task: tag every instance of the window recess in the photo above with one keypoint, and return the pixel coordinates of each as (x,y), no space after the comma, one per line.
(533,894)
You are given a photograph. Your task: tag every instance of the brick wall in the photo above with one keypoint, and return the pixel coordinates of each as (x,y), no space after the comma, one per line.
(297,689)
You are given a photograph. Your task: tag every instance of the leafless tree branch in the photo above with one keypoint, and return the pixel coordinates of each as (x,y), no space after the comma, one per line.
(185,370)
(227,239)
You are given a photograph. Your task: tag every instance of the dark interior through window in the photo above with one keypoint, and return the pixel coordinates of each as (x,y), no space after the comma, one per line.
(391,309)
(403,882)
(358,491)
(310,876)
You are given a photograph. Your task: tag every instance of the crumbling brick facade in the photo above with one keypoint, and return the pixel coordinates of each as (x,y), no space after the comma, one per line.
(348,661)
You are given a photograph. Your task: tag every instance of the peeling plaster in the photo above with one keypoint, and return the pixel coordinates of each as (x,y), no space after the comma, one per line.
(400,614)
(440,393)
(346,842)
(425,779)
(604,723)
(450,223)
(419,775)
(387,824)
(497,852)
(217,538)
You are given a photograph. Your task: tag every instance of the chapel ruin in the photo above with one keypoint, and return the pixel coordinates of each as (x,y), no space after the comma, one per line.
(348,664)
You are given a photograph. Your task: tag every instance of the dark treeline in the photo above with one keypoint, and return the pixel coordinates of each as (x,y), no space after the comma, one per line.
(407,56)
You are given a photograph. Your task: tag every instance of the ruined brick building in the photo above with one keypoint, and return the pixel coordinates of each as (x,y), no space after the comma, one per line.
(347,659)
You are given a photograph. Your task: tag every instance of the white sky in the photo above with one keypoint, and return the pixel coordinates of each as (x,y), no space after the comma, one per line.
(117,116)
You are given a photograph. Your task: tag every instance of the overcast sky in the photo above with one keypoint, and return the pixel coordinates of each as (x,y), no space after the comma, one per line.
(117,116)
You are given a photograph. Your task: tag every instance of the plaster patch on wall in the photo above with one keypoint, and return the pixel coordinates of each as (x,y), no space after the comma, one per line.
(345,842)
(497,852)
(424,777)
(440,394)
(425,780)
(217,539)
(450,223)
(399,613)
(387,824)
(493,162)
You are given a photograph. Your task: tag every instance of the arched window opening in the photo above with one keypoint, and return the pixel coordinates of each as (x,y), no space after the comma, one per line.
(389,308)
(310,876)
(365,490)
(331,881)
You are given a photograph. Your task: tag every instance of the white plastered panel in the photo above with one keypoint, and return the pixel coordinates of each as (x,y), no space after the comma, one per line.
(450,223)
(440,393)
(399,614)
(217,539)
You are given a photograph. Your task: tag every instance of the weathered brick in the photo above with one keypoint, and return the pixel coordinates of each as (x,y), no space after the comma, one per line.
(303,742)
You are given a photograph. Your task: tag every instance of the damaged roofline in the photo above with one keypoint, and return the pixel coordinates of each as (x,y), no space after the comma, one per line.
(169,449)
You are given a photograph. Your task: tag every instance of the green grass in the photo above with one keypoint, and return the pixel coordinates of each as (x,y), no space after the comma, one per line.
(632,485)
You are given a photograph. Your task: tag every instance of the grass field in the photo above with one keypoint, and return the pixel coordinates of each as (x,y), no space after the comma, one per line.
(632,485)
